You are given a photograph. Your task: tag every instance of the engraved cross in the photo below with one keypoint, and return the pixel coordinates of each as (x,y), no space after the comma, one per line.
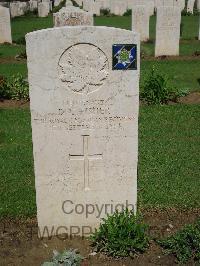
(86,157)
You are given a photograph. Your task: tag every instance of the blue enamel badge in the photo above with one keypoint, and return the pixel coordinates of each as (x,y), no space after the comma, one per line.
(124,57)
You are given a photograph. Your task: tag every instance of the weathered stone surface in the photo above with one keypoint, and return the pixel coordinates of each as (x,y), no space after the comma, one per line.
(72,16)
(84,124)
(167,30)
(92,6)
(118,7)
(140,20)
(103,4)
(68,3)
(5,29)
(43,9)
(175,3)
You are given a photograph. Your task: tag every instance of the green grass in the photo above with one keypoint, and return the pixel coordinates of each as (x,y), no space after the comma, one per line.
(182,74)
(7,50)
(22,25)
(169,161)
(17,193)
(9,69)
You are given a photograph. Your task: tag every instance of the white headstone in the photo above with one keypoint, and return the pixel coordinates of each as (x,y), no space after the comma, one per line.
(84,123)
(43,9)
(57,2)
(92,7)
(33,5)
(118,7)
(167,30)
(103,4)
(176,3)
(5,29)
(14,9)
(140,20)
(68,3)
(190,6)
(72,16)
(18,8)
(198,5)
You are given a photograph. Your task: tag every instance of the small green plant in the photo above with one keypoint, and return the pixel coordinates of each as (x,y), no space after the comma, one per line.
(105,12)
(21,40)
(4,90)
(21,55)
(121,234)
(185,244)
(66,258)
(15,88)
(182,92)
(18,88)
(156,89)
(128,12)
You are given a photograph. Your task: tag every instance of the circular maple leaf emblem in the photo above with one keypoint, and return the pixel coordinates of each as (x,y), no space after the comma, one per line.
(83,68)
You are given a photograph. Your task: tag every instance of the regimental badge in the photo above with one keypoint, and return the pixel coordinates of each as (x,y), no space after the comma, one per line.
(124,56)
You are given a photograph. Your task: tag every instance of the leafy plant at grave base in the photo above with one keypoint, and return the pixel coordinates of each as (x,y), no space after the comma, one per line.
(18,87)
(121,234)
(4,90)
(21,40)
(185,244)
(181,93)
(196,12)
(128,12)
(21,55)
(66,258)
(105,12)
(157,89)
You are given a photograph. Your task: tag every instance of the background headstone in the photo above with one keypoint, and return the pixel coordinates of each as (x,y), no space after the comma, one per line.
(84,121)
(68,3)
(57,2)
(5,29)
(190,6)
(18,8)
(167,30)
(33,5)
(118,7)
(140,20)
(72,16)
(43,9)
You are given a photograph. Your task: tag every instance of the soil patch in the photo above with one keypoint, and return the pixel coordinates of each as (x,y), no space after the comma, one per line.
(192,98)
(10,59)
(13,104)
(20,244)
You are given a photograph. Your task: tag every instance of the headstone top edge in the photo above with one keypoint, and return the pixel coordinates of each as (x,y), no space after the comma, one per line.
(73,28)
